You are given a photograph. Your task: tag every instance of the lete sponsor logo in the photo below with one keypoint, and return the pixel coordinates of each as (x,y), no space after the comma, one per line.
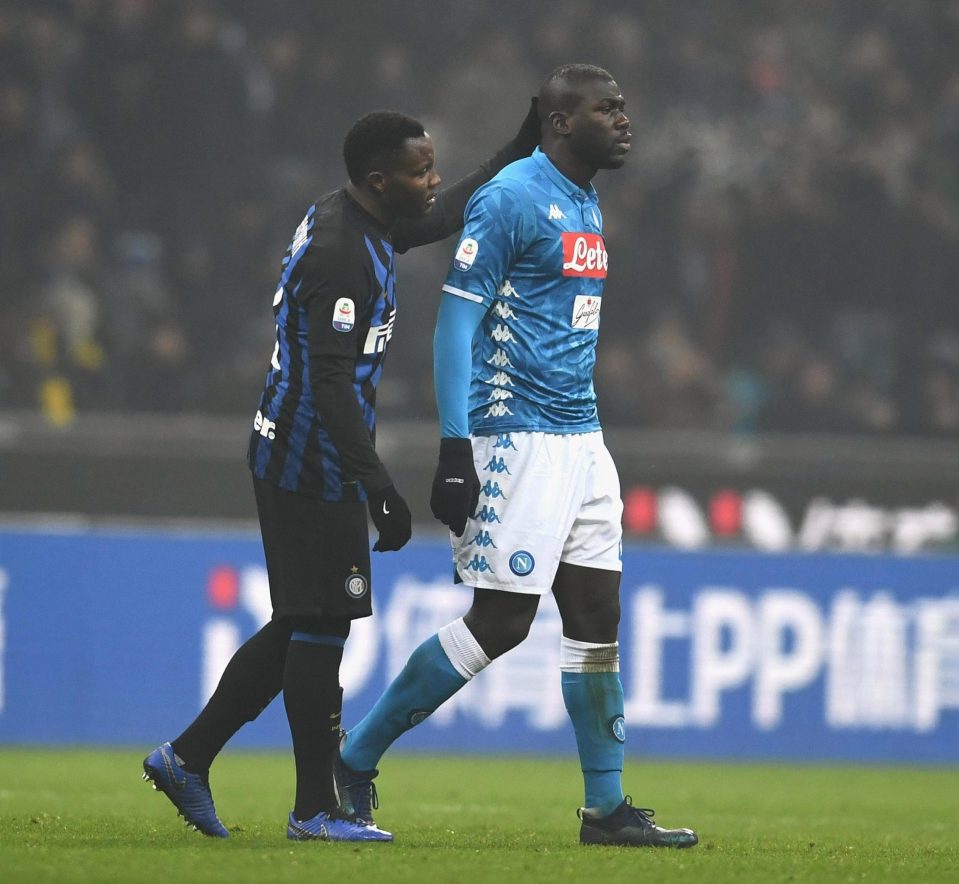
(584,254)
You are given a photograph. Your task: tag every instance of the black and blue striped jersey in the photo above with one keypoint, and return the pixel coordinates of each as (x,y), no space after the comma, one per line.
(334,308)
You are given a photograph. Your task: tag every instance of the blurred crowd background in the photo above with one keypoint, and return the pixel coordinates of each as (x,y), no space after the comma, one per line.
(784,240)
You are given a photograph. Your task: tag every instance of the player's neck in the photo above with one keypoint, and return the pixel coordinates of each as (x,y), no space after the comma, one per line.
(571,166)
(369,204)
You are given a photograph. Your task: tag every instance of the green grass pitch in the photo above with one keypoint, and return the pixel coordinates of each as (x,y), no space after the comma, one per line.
(71,815)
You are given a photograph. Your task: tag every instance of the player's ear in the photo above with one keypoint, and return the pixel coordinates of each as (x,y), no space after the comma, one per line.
(376,181)
(559,123)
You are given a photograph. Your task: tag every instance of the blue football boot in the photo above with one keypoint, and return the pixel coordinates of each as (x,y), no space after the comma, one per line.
(629,826)
(335,826)
(355,787)
(189,792)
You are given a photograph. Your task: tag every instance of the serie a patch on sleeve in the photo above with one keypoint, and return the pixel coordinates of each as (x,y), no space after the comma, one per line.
(344,315)
(466,254)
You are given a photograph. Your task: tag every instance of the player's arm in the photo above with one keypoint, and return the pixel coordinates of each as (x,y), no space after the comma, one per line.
(446,216)
(453,362)
(332,365)
(495,234)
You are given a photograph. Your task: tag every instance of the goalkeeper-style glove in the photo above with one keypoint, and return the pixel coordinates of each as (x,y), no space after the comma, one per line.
(392,518)
(456,486)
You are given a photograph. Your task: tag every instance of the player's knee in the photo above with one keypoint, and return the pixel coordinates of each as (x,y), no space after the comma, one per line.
(598,623)
(498,634)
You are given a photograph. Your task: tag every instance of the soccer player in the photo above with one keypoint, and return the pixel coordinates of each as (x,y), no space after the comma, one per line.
(315,470)
(514,350)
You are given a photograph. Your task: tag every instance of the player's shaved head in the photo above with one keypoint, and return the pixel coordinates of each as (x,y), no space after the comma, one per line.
(562,89)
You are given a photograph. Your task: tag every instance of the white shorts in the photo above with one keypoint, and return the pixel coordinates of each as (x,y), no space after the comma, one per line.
(545,499)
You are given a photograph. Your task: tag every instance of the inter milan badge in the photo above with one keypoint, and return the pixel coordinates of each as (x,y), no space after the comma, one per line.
(356,586)
(344,315)
(617,727)
(521,563)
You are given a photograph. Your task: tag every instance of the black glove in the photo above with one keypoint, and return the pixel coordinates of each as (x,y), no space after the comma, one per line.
(392,518)
(529,133)
(456,486)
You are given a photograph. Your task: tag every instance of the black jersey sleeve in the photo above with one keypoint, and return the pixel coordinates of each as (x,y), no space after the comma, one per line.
(446,216)
(334,275)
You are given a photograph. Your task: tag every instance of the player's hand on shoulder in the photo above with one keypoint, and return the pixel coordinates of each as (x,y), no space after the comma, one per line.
(528,137)
(392,519)
(456,486)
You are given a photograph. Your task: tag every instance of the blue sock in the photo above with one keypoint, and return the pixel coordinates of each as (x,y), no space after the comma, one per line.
(594,701)
(427,681)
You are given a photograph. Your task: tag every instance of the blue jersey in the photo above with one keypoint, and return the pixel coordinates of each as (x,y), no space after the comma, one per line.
(532,252)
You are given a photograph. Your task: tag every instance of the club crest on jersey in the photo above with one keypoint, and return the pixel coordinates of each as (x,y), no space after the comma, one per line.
(344,315)
(521,563)
(586,311)
(584,254)
(466,254)
(356,586)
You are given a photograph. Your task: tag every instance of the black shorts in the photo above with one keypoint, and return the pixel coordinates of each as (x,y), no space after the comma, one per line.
(317,553)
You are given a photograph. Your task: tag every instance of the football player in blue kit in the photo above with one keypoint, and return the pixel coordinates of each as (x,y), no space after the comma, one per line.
(514,350)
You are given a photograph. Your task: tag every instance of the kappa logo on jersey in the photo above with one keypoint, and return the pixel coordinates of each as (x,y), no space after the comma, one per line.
(555,213)
(501,334)
(497,465)
(483,538)
(498,409)
(504,440)
(492,489)
(500,379)
(466,254)
(344,315)
(498,395)
(378,336)
(488,514)
(500,359)
(479,564)
(586,311)
(502,310)
(584,254)
(506,290)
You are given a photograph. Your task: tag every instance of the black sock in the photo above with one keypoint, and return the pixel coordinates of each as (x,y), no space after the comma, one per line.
(252,678)
(314,699)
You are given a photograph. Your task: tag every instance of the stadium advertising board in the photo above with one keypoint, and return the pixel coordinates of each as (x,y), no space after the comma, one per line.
(119,637)
(775,517)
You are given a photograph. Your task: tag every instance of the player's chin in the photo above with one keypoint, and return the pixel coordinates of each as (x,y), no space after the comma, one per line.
(614,162)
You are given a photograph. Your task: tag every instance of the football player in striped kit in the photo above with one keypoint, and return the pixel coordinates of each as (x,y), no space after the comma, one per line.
(315,469)
(524,482)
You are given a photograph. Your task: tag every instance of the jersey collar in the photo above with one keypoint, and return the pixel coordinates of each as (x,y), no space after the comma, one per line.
(570,188)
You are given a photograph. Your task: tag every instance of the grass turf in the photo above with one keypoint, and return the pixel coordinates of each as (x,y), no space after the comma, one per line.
(70,815)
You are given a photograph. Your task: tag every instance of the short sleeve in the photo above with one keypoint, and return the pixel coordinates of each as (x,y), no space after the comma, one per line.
(498,229)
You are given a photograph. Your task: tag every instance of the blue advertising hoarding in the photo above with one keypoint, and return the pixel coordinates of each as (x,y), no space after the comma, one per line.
(118,638)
